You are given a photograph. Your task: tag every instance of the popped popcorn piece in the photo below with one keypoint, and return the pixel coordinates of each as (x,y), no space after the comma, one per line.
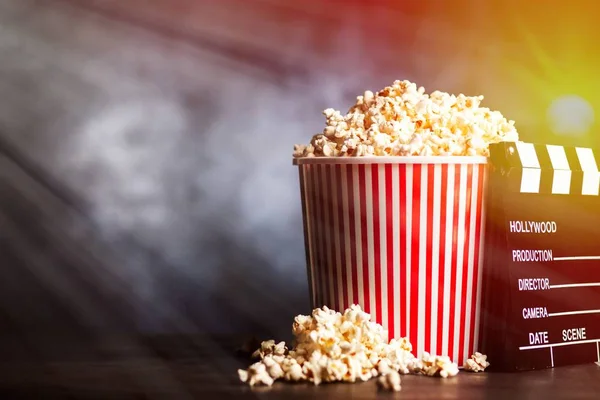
(336,370)
(390,381)
(273,367)
(295,373)
(243,374)
(431,365)
(402,120)
(398,354)
(280,349)
(269,347)
(476,363)
(384,366)
(256,375)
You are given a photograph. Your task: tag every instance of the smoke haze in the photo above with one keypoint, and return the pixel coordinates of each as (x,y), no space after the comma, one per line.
(178,149)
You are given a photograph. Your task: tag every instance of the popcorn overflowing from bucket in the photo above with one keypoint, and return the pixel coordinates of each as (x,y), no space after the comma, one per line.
(402,120)
(342,347)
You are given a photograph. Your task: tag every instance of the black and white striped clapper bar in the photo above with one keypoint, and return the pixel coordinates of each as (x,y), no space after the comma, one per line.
(541,273)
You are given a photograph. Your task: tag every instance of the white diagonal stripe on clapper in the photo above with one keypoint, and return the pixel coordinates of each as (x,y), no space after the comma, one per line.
(561,180)
(591,177)
(527,155)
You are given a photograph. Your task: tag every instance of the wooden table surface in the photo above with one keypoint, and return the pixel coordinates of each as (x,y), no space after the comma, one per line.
(198,367)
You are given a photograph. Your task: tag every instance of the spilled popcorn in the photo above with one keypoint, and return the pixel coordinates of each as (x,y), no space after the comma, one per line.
(256,375)
(476,363)
(341,347)
(390,381)
(402,120)
(431,365)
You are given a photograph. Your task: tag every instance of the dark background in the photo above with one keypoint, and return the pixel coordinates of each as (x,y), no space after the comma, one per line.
(146,182)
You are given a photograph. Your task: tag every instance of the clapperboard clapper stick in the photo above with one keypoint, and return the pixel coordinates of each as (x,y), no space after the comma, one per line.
(541,272)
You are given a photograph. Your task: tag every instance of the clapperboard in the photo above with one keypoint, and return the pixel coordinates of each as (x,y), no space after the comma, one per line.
(541,275)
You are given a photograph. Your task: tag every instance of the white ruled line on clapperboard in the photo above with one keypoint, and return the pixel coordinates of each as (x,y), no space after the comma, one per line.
(552,345)
(575,285)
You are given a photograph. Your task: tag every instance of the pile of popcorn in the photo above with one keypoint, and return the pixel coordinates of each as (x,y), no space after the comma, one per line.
(402,120)
(347,347)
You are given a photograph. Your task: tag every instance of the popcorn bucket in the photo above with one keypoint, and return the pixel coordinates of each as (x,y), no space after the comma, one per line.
(403,238)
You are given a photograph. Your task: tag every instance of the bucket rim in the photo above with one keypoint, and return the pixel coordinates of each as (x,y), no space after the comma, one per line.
(392,160)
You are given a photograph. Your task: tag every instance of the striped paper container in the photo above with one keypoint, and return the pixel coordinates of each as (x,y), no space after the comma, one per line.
(403,238)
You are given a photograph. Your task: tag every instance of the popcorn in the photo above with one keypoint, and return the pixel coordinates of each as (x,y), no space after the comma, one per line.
(390,381)
(476,363)
(256,375)
(269,347)
(384,366)
(294,373)
(273,367)
(243,374)
(336,370)
(399,356)
(431,365)
(292,370)
(341,347)
(402,120)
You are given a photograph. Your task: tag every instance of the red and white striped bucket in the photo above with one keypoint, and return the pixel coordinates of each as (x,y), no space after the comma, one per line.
(402,237)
